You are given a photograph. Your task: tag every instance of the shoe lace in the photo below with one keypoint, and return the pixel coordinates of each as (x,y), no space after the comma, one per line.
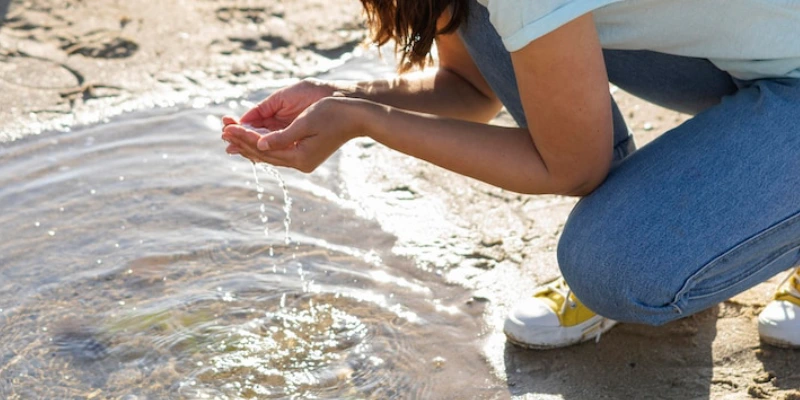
(561,288)
(789,287)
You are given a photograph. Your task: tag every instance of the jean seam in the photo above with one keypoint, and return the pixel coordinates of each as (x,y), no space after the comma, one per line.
(691,282)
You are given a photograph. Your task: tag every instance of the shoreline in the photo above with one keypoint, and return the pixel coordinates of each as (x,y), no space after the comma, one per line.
(67,63)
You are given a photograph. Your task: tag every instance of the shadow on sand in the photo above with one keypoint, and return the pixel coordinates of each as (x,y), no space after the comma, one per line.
(674,361)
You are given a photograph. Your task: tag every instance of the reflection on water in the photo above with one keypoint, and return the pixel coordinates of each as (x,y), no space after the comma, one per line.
(133,266)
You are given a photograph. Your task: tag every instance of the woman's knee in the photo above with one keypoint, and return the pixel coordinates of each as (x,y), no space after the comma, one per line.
(610,273)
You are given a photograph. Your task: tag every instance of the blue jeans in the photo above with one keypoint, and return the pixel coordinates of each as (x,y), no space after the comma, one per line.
(704,212)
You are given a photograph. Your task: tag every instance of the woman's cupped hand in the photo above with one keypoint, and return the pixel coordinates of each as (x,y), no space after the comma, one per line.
(297,127)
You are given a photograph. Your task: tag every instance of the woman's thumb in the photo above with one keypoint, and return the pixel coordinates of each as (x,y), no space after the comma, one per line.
(276,140)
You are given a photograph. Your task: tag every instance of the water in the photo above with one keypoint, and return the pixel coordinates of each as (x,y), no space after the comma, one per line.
(287,200)
(134,264)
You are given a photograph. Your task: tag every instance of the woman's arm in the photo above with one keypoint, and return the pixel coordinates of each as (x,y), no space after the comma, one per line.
(454,89)
(567,148)
(563,86)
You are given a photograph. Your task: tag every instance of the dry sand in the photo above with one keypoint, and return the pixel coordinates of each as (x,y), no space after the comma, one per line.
(69,61)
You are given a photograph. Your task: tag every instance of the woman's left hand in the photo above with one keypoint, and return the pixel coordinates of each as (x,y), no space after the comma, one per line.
(310,139)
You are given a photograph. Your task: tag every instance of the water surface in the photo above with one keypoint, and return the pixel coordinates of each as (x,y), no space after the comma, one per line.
(134,264)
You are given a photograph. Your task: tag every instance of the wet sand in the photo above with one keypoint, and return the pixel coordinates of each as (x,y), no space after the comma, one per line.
(66,62)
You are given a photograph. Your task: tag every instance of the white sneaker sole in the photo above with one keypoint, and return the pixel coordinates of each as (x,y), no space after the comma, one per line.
(558,336)
(779,324)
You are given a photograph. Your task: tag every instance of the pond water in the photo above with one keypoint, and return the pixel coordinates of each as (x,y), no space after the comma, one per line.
(134,264)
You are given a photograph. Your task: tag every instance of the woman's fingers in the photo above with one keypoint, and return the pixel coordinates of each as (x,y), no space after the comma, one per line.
(240,135)
(228,120)
(233,149)
(256,156)
(243,141)
(282,139)
(265,110)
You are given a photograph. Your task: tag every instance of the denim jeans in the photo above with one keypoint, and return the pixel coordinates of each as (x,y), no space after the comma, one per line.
(704,212)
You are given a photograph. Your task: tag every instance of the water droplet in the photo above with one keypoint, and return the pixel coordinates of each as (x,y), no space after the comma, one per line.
(61,209)
(165,156)
(93,191)
(121,178)
(36,224)
(116,245)
(121,302)
(99,261)
(51,233)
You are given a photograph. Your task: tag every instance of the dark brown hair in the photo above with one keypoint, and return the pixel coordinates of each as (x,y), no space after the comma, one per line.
(412,25)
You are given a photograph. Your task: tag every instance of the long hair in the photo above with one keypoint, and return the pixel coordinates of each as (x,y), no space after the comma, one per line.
(412,26)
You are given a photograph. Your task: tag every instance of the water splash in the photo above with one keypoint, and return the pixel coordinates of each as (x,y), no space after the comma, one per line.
(287,200)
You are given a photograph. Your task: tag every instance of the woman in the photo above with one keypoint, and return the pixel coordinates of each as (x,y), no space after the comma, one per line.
(706,211)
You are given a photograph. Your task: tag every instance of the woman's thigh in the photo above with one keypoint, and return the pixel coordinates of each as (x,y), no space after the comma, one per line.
(706,211)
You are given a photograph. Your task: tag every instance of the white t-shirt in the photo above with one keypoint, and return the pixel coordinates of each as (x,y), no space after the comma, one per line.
(749,39)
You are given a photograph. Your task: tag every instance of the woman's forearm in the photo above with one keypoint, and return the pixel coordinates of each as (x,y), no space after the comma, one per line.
(438,91)
(501,156)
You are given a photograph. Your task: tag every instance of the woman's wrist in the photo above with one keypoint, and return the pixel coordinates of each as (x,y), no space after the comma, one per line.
(370,118)
(337,88)
(360,117)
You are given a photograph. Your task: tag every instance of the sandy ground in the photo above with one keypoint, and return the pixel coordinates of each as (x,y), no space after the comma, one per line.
(72,61)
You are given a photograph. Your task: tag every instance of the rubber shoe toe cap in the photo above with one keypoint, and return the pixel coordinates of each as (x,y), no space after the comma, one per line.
(779,324)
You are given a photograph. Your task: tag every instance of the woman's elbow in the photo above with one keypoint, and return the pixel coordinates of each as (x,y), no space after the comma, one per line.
(583,184)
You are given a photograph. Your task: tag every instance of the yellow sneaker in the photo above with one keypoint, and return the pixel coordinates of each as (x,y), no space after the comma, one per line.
(553,317)
(779,322)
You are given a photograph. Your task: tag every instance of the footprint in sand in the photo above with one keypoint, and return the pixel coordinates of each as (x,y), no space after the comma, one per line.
(247,15)
(100,43)
(50,74)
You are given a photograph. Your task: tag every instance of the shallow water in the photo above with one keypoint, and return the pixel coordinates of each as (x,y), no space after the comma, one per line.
(134,264)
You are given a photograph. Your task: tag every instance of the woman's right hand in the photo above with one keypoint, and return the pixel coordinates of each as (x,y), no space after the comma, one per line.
(281,108)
